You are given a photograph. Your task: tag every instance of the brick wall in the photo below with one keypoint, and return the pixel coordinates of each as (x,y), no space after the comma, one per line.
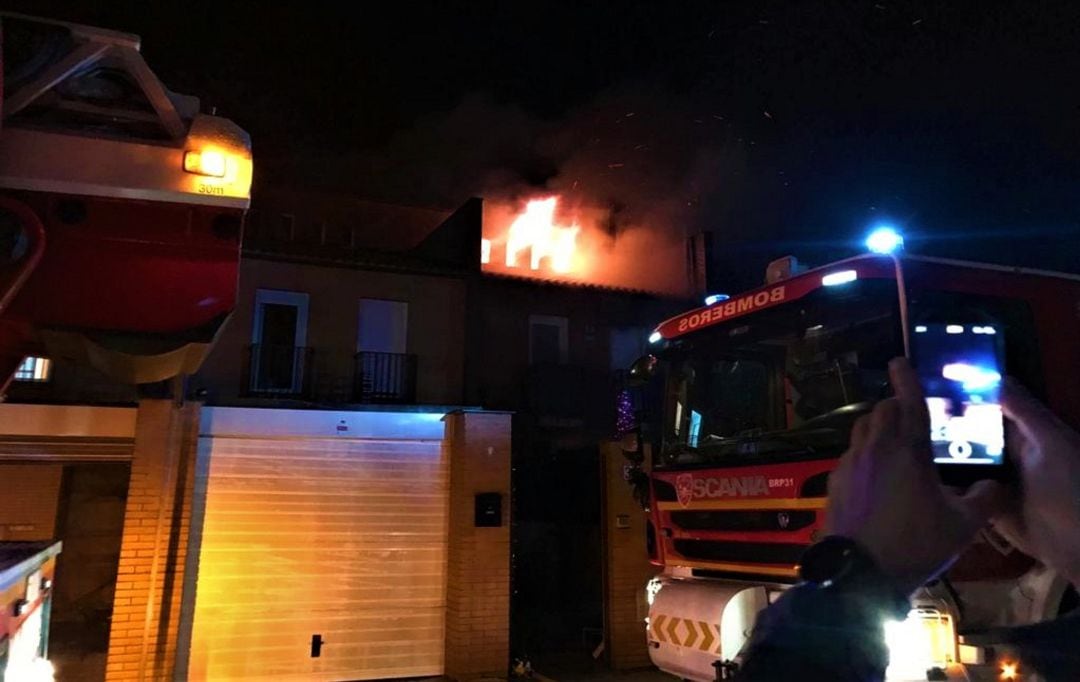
(146,610)
(28,511)
(478,565)
(627,566)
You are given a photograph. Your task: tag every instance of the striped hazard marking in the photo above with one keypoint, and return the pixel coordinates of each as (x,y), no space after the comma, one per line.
(695,634)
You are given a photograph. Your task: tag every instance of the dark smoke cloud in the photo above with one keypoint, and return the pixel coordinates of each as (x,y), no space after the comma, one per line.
(642,157)
(789,128)
(647,155)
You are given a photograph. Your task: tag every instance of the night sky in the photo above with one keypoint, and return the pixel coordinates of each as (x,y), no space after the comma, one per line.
(784,127)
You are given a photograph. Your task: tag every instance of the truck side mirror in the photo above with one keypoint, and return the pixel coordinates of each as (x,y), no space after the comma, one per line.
(642,370)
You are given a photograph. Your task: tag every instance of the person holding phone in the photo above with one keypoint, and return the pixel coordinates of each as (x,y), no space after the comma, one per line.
(894,526)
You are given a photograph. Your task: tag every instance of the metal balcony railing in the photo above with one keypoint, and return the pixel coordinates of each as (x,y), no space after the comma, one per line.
(279,371)
(385,378)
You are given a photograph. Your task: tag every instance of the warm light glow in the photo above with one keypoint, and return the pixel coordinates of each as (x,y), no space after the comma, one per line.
(214,170)
(1008,671)
(207,162)
(485,251)
(535,231)
(37,670)
(924,640)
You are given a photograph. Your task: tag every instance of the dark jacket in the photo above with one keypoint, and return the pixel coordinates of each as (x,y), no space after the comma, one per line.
(812,635)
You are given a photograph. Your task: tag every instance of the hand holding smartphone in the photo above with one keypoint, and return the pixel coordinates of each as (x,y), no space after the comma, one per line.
(961,364)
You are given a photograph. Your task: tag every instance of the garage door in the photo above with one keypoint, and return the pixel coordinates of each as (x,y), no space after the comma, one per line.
(320,558)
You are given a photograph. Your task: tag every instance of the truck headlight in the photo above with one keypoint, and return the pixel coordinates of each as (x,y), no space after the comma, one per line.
(651,589)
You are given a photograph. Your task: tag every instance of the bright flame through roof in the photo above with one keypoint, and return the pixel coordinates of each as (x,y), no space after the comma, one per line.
(569,239)
(535,231)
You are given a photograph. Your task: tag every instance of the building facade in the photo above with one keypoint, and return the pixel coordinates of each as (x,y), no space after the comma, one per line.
(373,398)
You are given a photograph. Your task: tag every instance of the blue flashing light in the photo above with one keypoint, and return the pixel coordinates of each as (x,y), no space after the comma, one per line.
(884,240)
(715,298)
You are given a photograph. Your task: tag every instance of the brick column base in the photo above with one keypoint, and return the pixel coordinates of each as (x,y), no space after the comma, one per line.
(478,567)
(626,566)
(146,609)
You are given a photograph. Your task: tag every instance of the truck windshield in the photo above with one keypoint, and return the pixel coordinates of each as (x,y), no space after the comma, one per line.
(783,384)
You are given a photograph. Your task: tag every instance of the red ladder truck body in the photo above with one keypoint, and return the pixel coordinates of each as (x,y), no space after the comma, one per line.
(121,207)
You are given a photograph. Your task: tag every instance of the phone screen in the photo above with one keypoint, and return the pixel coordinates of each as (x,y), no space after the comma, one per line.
(960,367)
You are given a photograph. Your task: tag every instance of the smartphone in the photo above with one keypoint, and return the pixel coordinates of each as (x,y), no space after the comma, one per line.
(961,364)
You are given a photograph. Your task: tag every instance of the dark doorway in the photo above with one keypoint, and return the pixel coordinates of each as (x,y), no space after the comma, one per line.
(277,353)
(90,523)
(556,611)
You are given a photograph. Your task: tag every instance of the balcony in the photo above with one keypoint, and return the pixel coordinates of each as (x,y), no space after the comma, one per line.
(279,371)
(384,378)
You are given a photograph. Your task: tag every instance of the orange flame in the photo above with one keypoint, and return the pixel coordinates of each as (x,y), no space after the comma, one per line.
(544,238)
(535,231)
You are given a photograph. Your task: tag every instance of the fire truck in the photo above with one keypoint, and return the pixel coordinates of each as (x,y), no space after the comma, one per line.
(760,392)
(121,210)
(121,207)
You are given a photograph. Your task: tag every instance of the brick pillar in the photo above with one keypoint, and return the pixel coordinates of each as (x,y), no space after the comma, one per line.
(478,567)
(146,608)
(627,568)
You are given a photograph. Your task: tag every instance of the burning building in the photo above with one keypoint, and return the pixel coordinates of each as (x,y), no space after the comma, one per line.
(347,308)
(550,237)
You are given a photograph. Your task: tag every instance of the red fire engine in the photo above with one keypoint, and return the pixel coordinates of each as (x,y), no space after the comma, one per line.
(121,207)
(760,393)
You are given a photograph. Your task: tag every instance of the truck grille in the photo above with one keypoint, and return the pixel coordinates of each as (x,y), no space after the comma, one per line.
(741,552)
(776,520)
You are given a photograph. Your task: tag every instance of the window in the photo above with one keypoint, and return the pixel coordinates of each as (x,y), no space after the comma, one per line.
(286,228)
(783,384)
(383,326)
(384,371)
(34,369)
(547,340)
(278,338)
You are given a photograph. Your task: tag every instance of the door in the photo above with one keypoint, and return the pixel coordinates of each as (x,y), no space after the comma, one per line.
(556,607)
(547,340)
(384,371)
(341,539)
(278,340)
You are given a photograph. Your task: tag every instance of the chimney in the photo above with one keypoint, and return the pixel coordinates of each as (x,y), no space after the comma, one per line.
(698,255)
